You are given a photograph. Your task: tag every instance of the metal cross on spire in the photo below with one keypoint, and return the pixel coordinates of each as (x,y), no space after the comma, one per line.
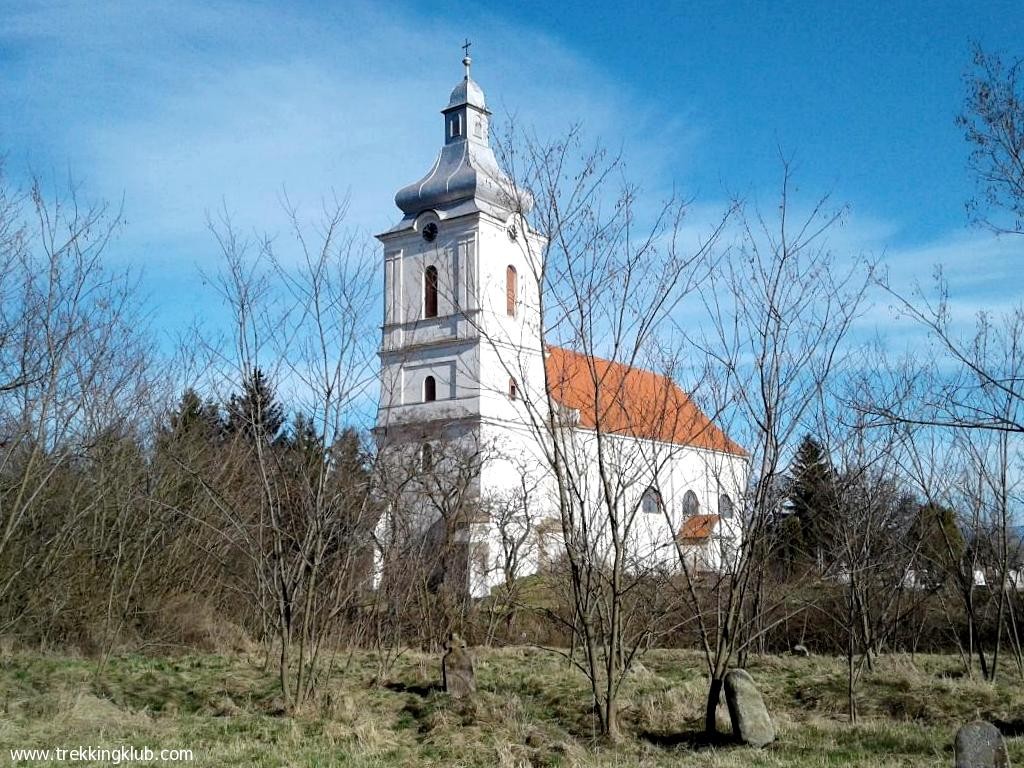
(465,59)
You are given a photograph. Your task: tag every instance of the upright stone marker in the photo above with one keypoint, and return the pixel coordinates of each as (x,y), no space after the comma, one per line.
(750,721)
(457,674)
(980,745)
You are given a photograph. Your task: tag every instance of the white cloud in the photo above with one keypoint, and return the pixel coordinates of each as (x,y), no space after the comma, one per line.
(184,106)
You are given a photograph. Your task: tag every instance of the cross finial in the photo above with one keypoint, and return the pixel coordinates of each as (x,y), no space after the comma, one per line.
(465,59)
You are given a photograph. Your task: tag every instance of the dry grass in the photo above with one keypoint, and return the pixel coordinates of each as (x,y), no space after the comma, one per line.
(531,710)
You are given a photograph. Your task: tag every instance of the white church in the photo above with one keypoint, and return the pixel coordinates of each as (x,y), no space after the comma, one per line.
(473,402)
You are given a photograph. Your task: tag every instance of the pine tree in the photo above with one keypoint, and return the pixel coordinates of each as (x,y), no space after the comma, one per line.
(939,542)
(195,418)
(304,436)
(812,498)
(256,412)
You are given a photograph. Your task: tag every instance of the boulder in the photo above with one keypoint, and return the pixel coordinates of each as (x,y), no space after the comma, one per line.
(226,708)
(980,745)
(750,722)
(457,676)
(276,707)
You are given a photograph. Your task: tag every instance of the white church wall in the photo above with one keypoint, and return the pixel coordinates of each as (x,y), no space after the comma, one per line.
(516,460)
(672,470)
(516,473)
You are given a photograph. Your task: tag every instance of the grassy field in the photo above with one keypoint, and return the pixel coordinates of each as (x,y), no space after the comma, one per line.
(531,710)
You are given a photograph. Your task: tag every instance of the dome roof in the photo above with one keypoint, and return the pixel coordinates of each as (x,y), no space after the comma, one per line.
(467,92)
(465,170)
(466,175)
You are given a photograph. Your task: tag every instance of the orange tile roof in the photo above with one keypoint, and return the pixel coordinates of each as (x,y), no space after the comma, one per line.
(698,527)
(630,401)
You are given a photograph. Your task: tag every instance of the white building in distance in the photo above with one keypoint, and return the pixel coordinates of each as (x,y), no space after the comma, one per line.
(467,388)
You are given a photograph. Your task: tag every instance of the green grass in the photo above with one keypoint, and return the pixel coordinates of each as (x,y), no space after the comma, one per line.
(530,710)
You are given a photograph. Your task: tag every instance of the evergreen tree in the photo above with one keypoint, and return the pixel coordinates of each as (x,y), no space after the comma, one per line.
(349,456)
(256,412)
(304,437)
(812,499)
(195,418)
(789,545)
(939,541)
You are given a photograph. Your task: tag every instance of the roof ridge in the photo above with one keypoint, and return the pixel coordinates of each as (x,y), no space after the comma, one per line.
(618,405)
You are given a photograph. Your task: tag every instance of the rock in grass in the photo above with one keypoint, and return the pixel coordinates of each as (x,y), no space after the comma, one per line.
(226,708)
(750,721)
(457,674)
(980,745)
(276,707)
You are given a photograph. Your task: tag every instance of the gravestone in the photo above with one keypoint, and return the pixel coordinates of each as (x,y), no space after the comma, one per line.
(750,722)
(980,745)
(457,675)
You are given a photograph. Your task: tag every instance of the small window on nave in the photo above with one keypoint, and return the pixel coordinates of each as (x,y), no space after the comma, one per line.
(430,292)
(725,506)
(651,503)
(427,457)
(511,290)
(691,506)
(429,389)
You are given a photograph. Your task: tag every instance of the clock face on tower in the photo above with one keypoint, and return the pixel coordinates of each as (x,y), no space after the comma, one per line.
(430,232)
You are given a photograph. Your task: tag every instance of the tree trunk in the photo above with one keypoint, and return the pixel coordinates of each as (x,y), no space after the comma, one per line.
(714,695)
(610,720)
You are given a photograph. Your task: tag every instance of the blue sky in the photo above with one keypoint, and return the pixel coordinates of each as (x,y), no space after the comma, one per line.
(187,106)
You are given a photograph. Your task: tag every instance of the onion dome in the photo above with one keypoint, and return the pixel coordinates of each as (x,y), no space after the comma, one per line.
(466,176)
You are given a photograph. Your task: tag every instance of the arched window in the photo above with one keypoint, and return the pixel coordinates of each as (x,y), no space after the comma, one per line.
(427,457)
(429,390)
(511,290)
(430,292)
(691,506)
(725,507)
(513,389)
(650,504)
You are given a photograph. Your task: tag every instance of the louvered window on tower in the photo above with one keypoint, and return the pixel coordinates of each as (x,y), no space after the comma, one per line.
(511,290)
(430,292)
(513,389)
(429,389)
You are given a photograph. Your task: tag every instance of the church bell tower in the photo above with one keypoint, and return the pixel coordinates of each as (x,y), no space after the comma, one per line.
(460,336)
(461,354)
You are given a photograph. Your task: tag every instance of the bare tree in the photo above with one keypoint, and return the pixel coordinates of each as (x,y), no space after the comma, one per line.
(871,546)
(779,308)
(306,531)
(74,366)
(429,570)
(518,538)
(967,394)
(993,124)
(603,291)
